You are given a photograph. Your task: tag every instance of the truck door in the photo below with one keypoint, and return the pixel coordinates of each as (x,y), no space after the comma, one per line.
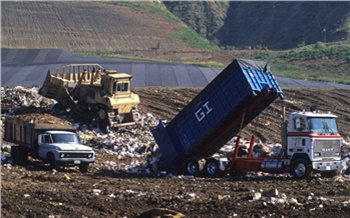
(43,142)
(298,139)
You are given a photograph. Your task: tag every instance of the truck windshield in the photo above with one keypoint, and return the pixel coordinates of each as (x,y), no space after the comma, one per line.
(120,87)
(323,125)
(64,138)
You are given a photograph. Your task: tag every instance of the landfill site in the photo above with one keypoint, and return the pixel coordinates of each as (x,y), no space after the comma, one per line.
(110,109)
(126,181)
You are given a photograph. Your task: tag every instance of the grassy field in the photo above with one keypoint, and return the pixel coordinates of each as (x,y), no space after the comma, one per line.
(323,62)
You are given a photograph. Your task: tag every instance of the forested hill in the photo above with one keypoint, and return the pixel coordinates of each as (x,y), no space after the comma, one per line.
(276,25)
(172,25)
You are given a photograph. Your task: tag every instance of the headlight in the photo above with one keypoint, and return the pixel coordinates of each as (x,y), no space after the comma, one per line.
(89,155)
(337,154)
(317,154)
(61,155)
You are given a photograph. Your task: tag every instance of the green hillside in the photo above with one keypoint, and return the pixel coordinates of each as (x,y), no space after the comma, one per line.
(273,25)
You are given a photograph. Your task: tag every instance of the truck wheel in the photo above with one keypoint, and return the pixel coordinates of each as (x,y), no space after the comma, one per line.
(301,169)
(19,155)
(53,163)
(83,168)
(330,174)
(193,167)
(212,168)
(102,114)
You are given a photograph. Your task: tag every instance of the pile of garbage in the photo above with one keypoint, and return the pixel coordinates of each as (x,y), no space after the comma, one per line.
(135,143)
(19,100)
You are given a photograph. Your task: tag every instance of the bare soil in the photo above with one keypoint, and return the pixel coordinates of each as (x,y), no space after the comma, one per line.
(86,27)
(32,190)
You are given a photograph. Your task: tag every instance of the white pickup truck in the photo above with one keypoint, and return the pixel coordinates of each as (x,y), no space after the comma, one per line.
(56,144)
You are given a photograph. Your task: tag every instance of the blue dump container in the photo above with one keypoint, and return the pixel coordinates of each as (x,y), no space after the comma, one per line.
(242,90)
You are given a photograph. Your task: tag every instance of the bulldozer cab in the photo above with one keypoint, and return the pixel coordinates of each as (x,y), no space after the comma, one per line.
(117,83)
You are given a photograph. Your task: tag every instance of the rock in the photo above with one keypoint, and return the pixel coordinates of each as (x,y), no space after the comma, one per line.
(293,201)
(96,192)
(257,196)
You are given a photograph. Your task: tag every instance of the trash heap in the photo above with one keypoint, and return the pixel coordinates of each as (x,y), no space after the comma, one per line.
(134,144)
(19,100)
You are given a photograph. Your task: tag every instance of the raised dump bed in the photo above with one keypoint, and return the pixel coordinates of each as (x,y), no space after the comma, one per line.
(225,106)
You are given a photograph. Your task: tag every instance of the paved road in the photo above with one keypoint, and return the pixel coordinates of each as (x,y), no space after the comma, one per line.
(28,67)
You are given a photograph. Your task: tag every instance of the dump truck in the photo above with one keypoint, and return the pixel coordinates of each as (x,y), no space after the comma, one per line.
(224,107)
(93,93)
(56,144)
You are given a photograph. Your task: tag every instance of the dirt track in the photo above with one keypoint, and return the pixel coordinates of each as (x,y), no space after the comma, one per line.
(33,190)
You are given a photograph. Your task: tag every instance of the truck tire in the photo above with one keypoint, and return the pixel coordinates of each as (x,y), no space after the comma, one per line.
(301,169)
(83,168)
(53,163)
(212,168)
(193,167)
(102,113)
(19,155)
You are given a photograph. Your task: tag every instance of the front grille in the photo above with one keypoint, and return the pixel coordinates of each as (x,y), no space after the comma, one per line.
(327,148)
(76,155)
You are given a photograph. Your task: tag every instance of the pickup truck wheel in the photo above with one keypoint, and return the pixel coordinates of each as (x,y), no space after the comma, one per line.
(19,155)
(301,169)
(53,163)
(83,168)
(193,167)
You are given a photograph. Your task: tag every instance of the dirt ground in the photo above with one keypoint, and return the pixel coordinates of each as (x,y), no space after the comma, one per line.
(32,190)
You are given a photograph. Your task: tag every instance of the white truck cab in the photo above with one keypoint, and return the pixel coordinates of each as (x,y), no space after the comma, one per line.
(57,144)
(314,138)
(61,148)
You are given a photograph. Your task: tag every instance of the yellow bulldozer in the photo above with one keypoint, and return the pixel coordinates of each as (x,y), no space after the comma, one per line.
(93,93)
